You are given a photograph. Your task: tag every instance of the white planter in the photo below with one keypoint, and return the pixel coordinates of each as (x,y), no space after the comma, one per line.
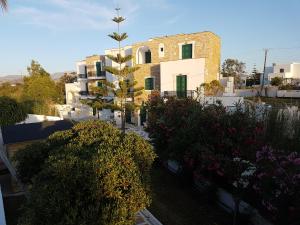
(226,201)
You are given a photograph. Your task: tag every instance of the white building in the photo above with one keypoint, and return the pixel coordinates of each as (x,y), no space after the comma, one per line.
(127,50)
(191,70)
(288,72)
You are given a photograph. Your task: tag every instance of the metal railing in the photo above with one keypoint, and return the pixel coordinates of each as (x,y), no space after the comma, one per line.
(180,94)
(82,76)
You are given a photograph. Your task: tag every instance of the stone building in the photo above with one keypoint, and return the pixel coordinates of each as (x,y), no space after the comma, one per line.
(177,64)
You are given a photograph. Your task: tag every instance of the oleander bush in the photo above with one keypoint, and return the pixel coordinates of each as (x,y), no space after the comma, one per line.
(224,147)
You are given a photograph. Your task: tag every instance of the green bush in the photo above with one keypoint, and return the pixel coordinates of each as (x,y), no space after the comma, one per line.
(91,174)
(11,111)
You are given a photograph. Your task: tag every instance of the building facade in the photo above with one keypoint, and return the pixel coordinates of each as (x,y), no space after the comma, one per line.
(177,64)
(289,72)
(90,73)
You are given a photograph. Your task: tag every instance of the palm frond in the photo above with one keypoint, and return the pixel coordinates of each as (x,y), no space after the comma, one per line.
(119,58)
(3,4)
(118,37)
(118,19)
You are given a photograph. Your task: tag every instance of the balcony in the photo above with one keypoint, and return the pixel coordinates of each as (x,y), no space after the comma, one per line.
(180,94)
(95,76)
(82,76)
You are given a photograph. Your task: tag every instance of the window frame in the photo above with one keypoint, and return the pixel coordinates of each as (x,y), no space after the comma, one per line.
(185,43)
(153,83)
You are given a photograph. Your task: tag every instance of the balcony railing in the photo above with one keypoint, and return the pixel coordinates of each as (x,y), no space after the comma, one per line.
(180,94)
(94,74)
(82,76)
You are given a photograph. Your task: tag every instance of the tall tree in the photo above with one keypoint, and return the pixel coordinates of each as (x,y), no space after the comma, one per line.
(61,84)
(91,174)
(255,75)
(40,89)
(11,111)
(233,68)
(213,88)
(125,88)
(3,4)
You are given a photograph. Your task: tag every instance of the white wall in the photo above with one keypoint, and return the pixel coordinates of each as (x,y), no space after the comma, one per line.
(124,51)
(80,67)
(229,101)
(290,71)
(193,68)
(33,118)
(72,92)
(288,94)
(296,70)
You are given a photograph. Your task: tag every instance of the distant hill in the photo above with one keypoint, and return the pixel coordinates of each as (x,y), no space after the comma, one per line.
(19,78)
(11,79)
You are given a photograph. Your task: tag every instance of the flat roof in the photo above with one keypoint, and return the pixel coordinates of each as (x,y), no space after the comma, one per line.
(33,131)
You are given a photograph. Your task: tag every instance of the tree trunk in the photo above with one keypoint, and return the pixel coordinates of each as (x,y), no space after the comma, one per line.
(123,121)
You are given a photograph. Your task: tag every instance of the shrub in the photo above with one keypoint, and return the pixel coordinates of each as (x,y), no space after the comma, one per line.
(91,174)
(276,81)
(11,111)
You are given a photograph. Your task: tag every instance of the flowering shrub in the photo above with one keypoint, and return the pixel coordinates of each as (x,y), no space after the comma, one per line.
(278,182)
(230,150)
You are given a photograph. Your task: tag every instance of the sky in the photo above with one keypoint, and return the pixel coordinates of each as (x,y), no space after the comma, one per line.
(57,33)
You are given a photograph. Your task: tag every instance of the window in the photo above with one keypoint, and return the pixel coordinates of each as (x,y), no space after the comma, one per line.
(148,56)
(98,69)
(187,51)
(281,70)
(100,84)
(161,50)
(149,83)
(181,86)
(85,71)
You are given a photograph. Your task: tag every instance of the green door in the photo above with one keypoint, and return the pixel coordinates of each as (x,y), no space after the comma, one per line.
(98,68)
(181,86)
(187,51)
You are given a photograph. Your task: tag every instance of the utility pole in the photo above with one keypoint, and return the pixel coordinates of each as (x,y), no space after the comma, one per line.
(263,78)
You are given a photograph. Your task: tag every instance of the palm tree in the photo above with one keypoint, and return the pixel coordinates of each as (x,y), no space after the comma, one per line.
(3,4)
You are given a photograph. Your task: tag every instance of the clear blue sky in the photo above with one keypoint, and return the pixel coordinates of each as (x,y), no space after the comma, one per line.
(58,33)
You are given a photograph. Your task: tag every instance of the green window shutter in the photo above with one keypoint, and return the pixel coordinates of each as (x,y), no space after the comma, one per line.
(181,86)
(85,70)
(98,68)
(187,51)
(148,56)
(99,84)
(149,83)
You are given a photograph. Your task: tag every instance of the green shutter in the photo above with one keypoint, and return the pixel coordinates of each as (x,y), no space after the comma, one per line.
(98,68)
(181,86)
(148,56)
(149,83)
(187,51)
(99,84)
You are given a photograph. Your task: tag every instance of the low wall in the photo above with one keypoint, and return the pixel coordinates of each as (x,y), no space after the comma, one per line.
(268,91)
(227,101)
(288,94)
(33,118)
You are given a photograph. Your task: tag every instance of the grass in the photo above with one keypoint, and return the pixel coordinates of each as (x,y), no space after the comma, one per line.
(177,204)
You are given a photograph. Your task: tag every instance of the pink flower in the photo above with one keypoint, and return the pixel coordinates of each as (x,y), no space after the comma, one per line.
(297,161)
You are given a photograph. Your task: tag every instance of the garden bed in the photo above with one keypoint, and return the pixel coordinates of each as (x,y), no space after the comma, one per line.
(174,203)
